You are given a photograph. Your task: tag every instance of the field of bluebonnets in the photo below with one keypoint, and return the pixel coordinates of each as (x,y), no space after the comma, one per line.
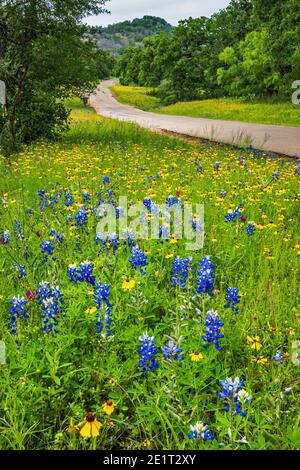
(129,344)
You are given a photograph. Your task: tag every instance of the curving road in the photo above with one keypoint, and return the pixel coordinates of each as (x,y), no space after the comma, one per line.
(279,139)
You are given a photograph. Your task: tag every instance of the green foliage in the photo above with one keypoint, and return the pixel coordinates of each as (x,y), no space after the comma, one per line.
(44,58)
(251,48)
(264,111)
(50,382)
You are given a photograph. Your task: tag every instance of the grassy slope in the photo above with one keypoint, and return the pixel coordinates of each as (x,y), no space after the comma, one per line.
(51,382)
(225,109)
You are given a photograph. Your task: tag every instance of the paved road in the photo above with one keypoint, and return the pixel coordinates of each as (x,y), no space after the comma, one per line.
(279,139)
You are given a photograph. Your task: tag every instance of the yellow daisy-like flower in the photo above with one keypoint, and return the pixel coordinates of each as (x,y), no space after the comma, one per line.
(128,284)
(260,359)
(254,342)
(91,427)
(91,310)
(146,443)
(108,407)
(196,356)
(169,255)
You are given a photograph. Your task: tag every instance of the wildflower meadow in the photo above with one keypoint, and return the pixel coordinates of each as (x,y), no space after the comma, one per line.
(111,342)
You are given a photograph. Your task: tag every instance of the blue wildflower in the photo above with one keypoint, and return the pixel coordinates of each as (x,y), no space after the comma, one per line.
(173,201)
(199,166)
(21,269)
(297,169)
(101,297)
(233,395)
(86,197)
(18,230)
(278,357)
(73,273)
(223,193)
(276,175)
(81,218)
(233,216)
(138,259)
(69,199)
(250,229)
(217,166)
(147,352)
(205,277)
(17,311)
(233,298)
(213,333)
(180,271)
(56,236)
(171,351)
(105,180)
(5,238)
(201,432)
(86,272)
(47,248)
(43,199)
(50,300)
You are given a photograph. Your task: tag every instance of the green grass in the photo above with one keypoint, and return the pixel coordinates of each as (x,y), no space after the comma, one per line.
(51,381)
(285,114)
(135,96)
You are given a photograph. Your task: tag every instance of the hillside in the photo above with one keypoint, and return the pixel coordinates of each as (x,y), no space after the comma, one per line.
(119,36)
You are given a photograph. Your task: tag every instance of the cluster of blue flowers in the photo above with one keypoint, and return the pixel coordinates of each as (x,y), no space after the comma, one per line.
(150,205)
(180,272)
(278,357)
(108,241)
(17,311)
(56,236)
(199,166)
(197,225)
(47,249)
(5,237)
(201,432)
(213,333)
(47,201)
(101,296)
(217,166)
(51,301)
(81,217)
(22,270)
(233,216)
(233,298)
(276,175)
(172,352)
(84,273)
(69,199)
(18,231)
(147,352)
(138,259)
(233,395)
(173,201)
(205,277)
(297,169)
(86,197)
(250,229)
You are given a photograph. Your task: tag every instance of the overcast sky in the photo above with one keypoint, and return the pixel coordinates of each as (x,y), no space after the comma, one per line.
(170,10)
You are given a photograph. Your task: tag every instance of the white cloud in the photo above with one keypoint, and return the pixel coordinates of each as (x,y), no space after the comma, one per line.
(170,10)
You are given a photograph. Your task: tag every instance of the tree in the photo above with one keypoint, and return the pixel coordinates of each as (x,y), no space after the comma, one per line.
(43,57)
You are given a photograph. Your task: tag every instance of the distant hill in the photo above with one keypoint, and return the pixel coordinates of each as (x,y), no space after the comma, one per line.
(119,36)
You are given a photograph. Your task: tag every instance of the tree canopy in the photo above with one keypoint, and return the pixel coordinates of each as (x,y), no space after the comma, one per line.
(251,48)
